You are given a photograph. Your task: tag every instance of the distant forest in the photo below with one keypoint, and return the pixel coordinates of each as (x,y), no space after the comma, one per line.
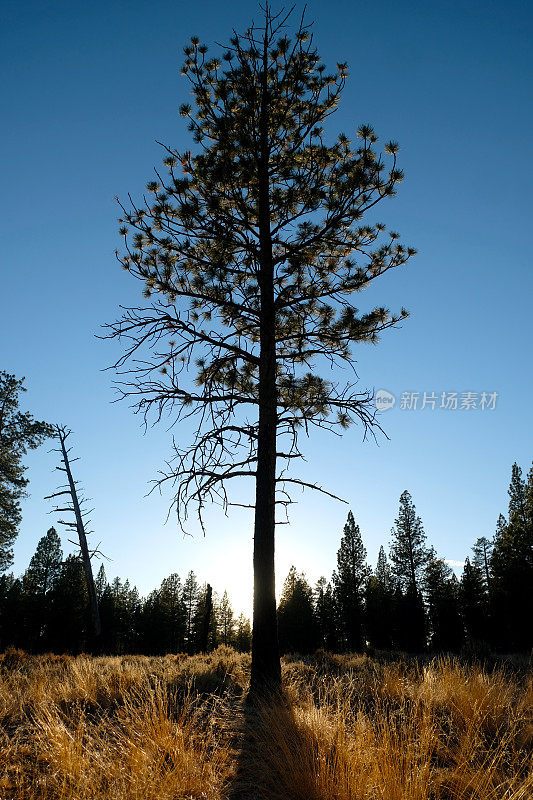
(412,601)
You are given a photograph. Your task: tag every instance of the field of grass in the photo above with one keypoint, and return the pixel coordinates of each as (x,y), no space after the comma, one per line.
(347,728)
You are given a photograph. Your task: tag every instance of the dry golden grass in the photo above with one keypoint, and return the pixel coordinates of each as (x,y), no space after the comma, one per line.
(347,728)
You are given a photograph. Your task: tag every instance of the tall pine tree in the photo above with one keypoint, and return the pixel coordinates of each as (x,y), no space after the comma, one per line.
(251,249)
(408,552)
(349,580)
(39,582)
(409,557)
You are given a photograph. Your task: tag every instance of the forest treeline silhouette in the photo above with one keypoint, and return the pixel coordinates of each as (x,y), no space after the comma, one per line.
(411,601)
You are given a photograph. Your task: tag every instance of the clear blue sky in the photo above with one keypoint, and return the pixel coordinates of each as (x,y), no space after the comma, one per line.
(89,87)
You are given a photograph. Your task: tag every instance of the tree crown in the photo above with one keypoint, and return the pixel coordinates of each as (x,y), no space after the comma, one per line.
(196,243)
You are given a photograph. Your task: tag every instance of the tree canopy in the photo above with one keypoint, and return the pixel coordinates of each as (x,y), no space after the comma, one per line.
(198,247)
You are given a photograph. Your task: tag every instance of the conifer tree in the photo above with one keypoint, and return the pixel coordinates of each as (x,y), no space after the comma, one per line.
(349,581)
(251,249)
(19,432)
(482,551)
(45,564)
(107,609)
(100,582)
(383,571)
(243,634)
(69,619)
(206,623)
(410,557)
(177,606)
(517,497)
(298,630)
(39,582)
(512,569)
(152,625)
(205,619)
(499,565)
(190,598)
(226,621)
(474,604)
(129,605)
(326,615)
(162,620)
(12,626)
(446,631)
(408,552)
(379,604)
(400,622)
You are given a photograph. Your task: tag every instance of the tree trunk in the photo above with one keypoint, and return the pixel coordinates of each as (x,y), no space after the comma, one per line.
(85,556)
(266,668)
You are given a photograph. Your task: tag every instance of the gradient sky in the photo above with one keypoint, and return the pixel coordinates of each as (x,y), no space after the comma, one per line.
(89,86)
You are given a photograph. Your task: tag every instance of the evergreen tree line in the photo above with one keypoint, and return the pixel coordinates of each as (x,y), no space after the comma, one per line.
(412,600)
(47,609)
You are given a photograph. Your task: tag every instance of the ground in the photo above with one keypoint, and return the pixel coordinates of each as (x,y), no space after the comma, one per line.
(347,728)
